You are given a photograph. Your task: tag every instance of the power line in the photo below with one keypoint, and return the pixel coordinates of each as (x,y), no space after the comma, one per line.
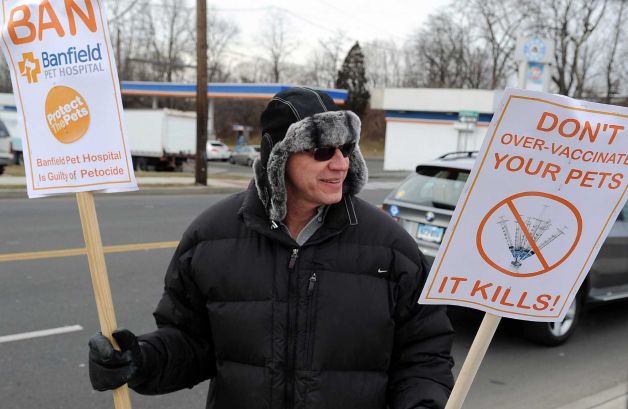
(353,16)
(271,8)
(241,9)
(306,20)
(292,13)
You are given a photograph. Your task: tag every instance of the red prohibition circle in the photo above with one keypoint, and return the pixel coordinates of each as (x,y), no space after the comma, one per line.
(510,199)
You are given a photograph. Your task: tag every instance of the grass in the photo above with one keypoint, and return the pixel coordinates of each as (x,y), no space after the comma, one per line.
(14,170)
(372,148)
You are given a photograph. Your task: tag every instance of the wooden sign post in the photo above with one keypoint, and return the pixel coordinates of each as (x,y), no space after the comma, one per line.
(471,365)
(100,281)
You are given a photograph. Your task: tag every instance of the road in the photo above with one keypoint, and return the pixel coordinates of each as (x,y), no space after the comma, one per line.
(374,165)
(51,372)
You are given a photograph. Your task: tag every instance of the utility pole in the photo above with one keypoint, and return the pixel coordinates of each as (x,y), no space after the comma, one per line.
(200,171)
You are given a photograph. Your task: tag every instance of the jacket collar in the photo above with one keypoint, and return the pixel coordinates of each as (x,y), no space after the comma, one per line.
(339,216)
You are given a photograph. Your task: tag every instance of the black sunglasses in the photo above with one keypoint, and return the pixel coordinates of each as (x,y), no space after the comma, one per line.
(325,153)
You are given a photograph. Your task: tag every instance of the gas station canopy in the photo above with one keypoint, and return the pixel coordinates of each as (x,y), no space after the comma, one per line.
(214,90)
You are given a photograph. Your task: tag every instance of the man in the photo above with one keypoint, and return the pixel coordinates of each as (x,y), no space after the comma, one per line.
(295,293)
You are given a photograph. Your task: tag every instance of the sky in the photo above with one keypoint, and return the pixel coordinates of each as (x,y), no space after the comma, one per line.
(309,21)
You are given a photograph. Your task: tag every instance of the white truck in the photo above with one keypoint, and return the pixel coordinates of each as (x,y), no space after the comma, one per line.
(159,139)
(6,151)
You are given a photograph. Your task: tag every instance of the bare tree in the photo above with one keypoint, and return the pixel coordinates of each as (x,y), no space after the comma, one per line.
(472,44)
(250,70)
(220,34)
(324,62)
(277,42)
(436,52)
(312,73)
(495,27)
(478,70)
(122,26)
(617,37)
(172,37)
(384,63)
(569,24)
(332,49)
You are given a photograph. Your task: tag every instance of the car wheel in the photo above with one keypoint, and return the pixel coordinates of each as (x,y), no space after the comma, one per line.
(249,162)
(232,161)
(1,170)
(555,333)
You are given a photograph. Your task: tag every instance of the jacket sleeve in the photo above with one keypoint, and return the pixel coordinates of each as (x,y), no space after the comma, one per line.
(180,354)
(420,374)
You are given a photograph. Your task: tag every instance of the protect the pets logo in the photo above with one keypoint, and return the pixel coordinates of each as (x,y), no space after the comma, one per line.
(30,67)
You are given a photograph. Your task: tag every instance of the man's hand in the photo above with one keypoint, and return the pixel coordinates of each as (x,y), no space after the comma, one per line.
(108,368)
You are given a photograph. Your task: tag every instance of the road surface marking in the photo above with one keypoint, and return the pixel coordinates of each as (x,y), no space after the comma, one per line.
(123,248)
(39,334)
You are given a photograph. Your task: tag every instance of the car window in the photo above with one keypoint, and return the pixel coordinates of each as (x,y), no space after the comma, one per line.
(433,186)
(256,148)
(218,144)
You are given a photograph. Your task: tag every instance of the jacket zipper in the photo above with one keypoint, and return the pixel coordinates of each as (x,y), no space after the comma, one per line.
(310,287)
(309,323)
(292,318)
(293,259)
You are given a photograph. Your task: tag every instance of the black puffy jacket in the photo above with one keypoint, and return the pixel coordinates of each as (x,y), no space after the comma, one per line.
(333,324)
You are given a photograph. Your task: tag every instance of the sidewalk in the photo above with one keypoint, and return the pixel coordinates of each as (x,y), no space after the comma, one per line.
(612,398)
(15,186)
(147,181)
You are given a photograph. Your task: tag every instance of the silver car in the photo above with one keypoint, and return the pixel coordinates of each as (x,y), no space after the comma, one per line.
(425,201)
(246,155)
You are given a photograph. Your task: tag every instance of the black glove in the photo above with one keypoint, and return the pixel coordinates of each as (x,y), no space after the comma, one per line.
(108,368)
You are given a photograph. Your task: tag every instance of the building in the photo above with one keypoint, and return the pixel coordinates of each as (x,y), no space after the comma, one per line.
(424,123)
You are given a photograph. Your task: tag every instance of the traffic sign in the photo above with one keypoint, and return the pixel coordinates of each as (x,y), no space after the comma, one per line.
(471,116)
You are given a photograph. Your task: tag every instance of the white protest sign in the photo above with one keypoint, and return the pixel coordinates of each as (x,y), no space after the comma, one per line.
(546,188)
(67,95)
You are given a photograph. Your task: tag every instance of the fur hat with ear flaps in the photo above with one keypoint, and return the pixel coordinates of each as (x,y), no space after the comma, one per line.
(296,120)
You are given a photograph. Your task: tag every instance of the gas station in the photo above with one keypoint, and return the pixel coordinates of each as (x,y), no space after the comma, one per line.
(215,91)
(424,123)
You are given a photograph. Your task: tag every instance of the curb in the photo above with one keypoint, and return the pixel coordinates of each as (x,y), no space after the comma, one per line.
(151,190)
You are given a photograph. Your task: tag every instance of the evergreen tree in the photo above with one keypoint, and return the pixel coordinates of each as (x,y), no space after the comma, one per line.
(352,77)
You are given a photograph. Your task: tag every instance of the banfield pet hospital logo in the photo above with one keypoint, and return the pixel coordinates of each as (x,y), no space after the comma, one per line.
(29,23)
(30,67)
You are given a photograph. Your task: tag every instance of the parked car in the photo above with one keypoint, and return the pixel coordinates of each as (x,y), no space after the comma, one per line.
(217,150)
(425,201)
(6,153)
(246,155)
